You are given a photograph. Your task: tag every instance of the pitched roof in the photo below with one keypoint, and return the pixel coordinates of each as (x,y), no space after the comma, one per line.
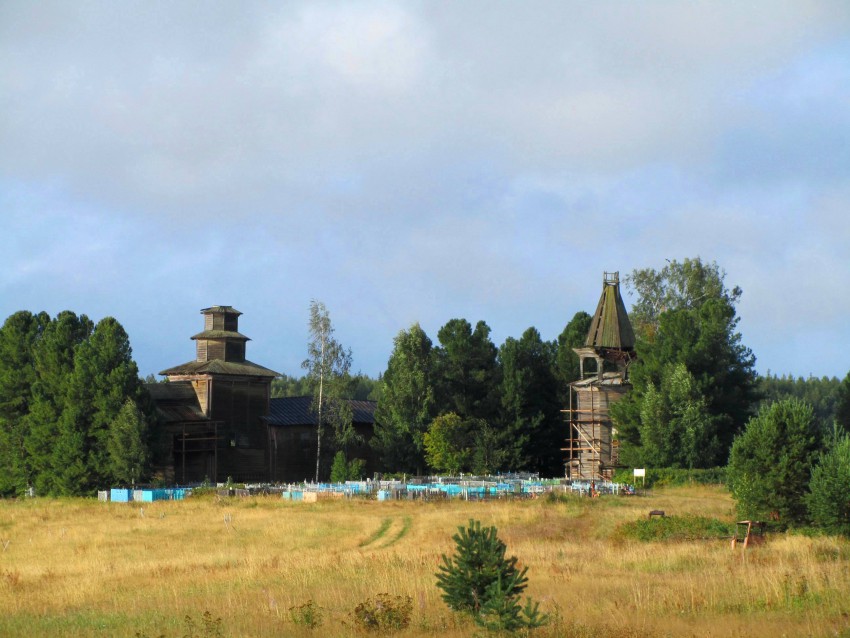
(220,309)
(218,366)
(289,411)
(610,326)
(176,402)
(221,334)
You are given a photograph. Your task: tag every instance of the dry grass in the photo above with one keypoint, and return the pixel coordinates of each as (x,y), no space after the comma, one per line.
(82,568)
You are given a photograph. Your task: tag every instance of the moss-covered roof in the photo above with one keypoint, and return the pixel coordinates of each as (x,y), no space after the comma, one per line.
(214,310)
(176,402)
(610,326)
(218,366)
(221,334)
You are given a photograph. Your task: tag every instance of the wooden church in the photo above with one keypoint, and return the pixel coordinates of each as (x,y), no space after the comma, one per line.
(217,418)
(609,349)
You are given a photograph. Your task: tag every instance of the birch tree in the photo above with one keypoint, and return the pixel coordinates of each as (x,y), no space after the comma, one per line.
(327,365)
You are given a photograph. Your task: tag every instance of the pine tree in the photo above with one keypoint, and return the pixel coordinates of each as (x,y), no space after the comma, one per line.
(127,444)
(532,424)
(771,462)
(829,497)
(479,580)
(19,336)
(479,562)
(406,403)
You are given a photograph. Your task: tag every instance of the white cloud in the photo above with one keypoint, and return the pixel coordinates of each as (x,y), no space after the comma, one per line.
(423,160)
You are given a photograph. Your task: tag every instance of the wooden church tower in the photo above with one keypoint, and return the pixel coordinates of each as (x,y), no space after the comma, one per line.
(213,406)
(610,345)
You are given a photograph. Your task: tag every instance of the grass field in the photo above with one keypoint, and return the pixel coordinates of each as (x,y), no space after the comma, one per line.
(84,568)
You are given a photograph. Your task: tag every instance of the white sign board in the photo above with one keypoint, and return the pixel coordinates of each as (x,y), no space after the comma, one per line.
(640,472)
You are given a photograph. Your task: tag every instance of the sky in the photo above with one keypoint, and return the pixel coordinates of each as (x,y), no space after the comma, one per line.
(422,161)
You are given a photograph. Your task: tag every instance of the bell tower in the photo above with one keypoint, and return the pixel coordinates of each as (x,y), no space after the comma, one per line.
(610,343)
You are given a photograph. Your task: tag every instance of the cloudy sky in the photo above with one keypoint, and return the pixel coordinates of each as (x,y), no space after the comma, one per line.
(420,161)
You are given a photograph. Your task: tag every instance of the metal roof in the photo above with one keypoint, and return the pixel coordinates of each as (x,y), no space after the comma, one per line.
(290,411)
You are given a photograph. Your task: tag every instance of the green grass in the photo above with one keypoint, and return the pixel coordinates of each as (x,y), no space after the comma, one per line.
(676,528)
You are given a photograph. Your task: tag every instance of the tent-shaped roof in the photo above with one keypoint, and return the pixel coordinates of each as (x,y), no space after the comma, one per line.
(610,327)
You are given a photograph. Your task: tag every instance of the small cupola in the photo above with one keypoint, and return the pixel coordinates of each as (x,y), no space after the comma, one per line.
(220,339)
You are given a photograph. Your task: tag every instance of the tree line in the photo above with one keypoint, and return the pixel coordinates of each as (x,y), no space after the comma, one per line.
(73,413)
(465,405)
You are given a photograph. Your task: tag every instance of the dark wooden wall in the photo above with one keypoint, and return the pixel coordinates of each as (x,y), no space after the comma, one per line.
(243,445)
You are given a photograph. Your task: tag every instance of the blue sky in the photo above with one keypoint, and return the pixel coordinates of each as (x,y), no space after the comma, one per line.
(422,161)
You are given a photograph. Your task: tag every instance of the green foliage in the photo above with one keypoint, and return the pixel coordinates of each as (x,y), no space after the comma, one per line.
(406,403)
(290,386)
(466,371)
(488,455)
(669,477)
(449,443)
(343,470)
(842,405)
(18,338)
(209,627)
(675,528)
(309,615)
(685,317)
(383,613)
(359,386)
(454,445)
(676,429)
(63,382)
(479,580)
(327,365)
(771,461)
(502,611)
(828,500)
(567,367)
(532,424)
(678,285)
(479,562)
(127,444)
(823,394)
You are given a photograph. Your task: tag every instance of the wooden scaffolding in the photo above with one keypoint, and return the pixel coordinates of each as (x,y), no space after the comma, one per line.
(592,451)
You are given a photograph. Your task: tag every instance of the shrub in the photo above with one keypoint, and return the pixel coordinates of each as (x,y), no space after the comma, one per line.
(670,477)
(676,528)
(343,470)
(479,580)
(210,628)
(307,615)
(384,613)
